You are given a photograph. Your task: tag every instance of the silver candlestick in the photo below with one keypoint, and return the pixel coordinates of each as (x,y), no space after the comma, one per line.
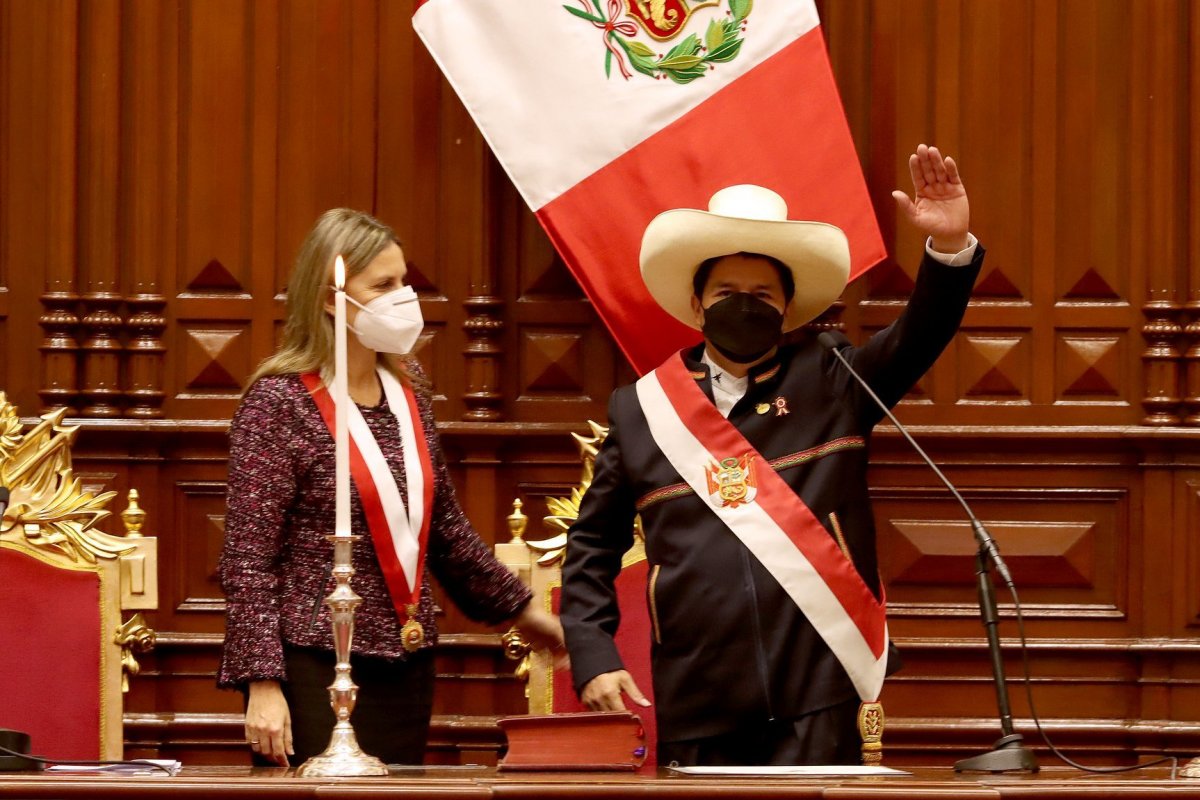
(343,757)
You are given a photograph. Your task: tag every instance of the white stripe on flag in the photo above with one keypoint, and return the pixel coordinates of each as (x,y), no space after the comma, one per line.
(768,543)
(532,76)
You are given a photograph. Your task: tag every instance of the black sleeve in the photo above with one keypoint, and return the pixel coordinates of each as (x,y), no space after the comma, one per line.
(895,358)
(595,543)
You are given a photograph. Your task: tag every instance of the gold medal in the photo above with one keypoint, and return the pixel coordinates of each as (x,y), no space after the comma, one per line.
(412,635)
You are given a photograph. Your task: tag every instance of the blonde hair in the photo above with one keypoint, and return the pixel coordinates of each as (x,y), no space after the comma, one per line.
(308,337)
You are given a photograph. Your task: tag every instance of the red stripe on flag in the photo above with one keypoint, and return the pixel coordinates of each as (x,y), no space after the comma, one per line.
(780,502)
(781,126)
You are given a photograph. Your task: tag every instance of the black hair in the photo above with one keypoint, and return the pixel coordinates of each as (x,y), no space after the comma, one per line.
(706,267)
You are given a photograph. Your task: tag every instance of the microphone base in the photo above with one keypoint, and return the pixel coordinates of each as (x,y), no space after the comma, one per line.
(17,743)
(1007,755)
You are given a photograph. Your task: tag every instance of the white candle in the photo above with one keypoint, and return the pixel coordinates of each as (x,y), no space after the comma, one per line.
(341,396)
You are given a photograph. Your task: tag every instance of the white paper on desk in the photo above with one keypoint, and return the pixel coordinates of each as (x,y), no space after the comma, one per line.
(144,766)
(832,771)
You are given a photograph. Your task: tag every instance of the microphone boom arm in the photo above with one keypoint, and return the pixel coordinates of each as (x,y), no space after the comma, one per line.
(1008,753)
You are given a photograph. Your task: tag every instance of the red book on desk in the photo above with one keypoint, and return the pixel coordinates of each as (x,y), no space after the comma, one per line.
(591,740)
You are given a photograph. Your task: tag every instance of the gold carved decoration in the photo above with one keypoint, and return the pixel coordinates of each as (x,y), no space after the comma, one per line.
(565,510)
(870,728)
(133,637)
(134,517)
(549,552)
(49,514)
(48,509)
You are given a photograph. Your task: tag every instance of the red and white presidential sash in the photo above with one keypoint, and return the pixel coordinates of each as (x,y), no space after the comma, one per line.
(399,529)
(770,519)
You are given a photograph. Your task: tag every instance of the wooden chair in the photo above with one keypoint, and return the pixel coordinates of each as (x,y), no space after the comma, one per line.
(539,565)
(64,584)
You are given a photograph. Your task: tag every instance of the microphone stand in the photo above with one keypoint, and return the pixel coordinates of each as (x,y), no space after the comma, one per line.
(1008,753)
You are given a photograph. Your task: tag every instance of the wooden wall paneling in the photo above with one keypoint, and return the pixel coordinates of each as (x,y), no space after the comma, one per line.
(1157,70)
(483,353)
(209,353)
(1096,286)
(1065,529)
(409,183)
(200,511)
(1186,572)
(324,134)
(99,170)
(1192,356)
(1025,151)
(148,225)
(270,256)
(464,270)
(38,236)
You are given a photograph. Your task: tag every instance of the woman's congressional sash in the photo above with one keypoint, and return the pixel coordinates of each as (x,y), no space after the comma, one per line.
(770,519)
(399,530)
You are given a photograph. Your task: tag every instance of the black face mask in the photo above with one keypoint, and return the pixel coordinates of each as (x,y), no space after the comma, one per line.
(742,327)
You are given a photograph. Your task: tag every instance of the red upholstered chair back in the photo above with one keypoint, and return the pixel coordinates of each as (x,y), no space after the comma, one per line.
(64,649)
(53,655)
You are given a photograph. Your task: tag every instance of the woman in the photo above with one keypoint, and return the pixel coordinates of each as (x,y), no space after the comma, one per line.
(275,565)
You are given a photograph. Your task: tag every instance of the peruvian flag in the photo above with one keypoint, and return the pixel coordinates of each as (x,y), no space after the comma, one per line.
(607,112)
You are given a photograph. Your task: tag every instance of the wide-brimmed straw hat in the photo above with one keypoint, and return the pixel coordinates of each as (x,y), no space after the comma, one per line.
(744,219)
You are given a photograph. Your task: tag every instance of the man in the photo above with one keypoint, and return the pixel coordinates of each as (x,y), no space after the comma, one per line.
(747,461)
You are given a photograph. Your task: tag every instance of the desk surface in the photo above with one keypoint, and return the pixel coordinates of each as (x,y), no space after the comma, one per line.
(449,783)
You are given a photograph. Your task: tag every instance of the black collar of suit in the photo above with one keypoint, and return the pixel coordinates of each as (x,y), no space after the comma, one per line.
(763,377)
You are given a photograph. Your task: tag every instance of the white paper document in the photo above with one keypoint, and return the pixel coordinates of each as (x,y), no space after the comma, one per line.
(832,771)
(145,766)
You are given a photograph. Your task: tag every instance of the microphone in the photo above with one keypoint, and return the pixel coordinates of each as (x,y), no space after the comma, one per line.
(1008,753)
(835,341)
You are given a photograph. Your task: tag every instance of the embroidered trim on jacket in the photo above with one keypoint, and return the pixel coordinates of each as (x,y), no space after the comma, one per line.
(778,464)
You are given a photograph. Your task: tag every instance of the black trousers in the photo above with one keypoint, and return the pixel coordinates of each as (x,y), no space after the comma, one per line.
(390,719)
(828,736)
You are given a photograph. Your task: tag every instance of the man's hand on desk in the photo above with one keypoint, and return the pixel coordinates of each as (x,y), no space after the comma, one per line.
(603,692)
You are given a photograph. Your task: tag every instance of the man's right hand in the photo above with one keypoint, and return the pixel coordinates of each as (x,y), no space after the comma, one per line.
(603,692)
(268,722)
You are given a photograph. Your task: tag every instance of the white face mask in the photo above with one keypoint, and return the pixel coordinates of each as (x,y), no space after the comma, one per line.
(391,323)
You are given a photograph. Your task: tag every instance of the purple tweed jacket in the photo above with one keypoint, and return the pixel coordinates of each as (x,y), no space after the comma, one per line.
(275,564)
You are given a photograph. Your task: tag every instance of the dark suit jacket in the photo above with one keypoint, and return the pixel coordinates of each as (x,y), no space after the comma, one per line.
(731,648)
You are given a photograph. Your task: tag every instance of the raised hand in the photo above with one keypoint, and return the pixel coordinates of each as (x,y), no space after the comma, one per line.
(939,205)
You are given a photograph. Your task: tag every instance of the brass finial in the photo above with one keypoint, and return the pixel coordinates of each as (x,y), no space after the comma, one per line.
(517,521)
(133,516)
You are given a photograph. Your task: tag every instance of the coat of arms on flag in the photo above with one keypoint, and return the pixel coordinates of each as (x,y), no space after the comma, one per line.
(664,21)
